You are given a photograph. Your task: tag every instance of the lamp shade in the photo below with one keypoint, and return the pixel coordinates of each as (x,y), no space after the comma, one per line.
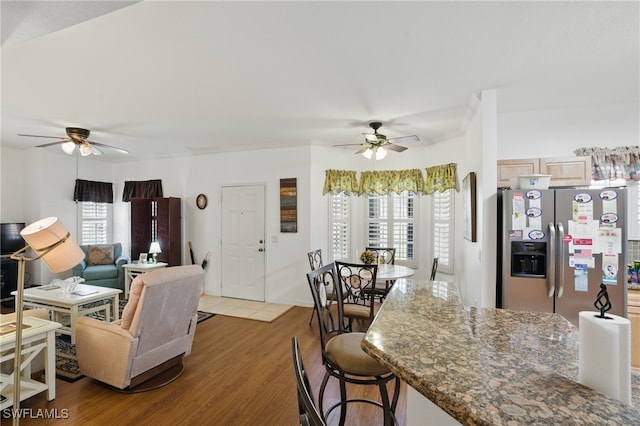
(47,232)
(155,248)
(85,149)
(68,147)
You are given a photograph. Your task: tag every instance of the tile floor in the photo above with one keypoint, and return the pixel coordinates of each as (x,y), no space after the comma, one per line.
(242,308)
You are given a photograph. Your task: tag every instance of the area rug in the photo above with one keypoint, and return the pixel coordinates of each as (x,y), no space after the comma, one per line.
(67,368)
(245,309)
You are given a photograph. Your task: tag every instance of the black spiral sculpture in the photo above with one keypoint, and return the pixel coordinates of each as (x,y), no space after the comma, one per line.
(602,303)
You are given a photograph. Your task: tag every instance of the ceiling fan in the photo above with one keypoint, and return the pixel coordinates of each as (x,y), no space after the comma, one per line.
(77,137)
(377,143)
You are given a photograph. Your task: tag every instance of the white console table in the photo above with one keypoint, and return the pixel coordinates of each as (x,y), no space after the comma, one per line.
(38,336)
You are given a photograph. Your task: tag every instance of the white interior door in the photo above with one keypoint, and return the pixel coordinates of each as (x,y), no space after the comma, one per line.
(242,268)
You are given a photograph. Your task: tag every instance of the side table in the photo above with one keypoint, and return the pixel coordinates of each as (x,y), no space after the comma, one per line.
(38,335)
(132,270)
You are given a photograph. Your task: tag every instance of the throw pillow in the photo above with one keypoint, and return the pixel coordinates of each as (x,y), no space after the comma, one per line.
(100,255)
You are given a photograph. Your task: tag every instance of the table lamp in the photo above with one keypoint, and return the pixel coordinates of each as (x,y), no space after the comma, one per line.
(50,241)
(155,249)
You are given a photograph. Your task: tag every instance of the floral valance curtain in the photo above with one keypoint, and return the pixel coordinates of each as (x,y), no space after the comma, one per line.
(440,178)
(337,181)
(142,189)
(622,162)
(88,190)
(384,182)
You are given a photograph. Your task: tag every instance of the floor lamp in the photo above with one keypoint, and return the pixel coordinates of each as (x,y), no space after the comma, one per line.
(50,241)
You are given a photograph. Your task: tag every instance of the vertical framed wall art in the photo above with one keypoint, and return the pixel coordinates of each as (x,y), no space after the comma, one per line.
(288,205)
(469,195)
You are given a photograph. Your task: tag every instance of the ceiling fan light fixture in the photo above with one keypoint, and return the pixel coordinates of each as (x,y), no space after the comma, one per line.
(380,153)
(85,149)
(368,153)
(69,147)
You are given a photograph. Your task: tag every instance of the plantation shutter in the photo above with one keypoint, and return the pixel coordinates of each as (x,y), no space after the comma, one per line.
(340,218)
(390,223)
(377,229)
(403,214)
(442,219)
(94,223)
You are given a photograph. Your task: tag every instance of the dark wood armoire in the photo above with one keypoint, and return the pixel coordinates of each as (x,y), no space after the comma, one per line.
(157,219)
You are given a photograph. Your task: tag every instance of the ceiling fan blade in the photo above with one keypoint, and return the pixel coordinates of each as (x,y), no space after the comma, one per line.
(363,149)
(94,149)
(40,136)
(48,144)
(404,139)
(349,144)
(120,150)
(394,147)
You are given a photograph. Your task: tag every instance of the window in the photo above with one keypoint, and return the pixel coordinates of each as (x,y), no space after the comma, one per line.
(339,225)
(442,222)
(391,223)
(95,223)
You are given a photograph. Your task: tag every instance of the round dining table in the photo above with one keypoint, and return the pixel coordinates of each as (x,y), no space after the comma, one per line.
(390,272)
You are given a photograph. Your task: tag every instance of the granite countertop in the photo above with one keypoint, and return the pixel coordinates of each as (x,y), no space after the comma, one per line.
(488,366)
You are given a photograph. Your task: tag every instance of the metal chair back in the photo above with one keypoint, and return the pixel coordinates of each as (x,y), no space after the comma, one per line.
(388,254)
(309,414)
(315,259)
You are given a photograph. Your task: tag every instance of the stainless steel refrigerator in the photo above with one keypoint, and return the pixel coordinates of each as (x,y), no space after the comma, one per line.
(557,246)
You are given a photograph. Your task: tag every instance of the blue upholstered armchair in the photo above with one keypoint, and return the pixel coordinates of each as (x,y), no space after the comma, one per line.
(102,265)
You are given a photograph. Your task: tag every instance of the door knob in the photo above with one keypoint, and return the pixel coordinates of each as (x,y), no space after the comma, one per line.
(261,241)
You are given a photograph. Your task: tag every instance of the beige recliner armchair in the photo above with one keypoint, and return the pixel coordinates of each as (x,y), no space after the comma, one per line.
(156,330)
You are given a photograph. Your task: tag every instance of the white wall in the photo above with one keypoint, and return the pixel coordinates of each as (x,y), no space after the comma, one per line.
(487,195)
(469,268)
(557,132)
(12,162)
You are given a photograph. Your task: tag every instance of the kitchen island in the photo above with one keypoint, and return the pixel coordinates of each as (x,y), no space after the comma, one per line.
(488,366)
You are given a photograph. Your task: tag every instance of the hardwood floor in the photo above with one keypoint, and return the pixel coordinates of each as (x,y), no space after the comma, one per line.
(239,373)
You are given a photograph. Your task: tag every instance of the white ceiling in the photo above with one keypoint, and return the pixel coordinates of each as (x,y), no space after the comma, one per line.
(181,78)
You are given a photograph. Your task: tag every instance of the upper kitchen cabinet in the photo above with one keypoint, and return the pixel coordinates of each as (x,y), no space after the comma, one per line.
(567,171)
(564,171)
(510,168)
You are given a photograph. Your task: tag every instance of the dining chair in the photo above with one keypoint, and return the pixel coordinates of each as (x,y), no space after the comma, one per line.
(434,269)
(315,262)
(358,282)
(309,414)
(388,254)
(383,255)
(315,259)
(342,354)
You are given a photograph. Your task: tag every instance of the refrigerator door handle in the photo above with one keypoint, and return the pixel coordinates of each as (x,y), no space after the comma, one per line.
(560,269)
(551,267)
